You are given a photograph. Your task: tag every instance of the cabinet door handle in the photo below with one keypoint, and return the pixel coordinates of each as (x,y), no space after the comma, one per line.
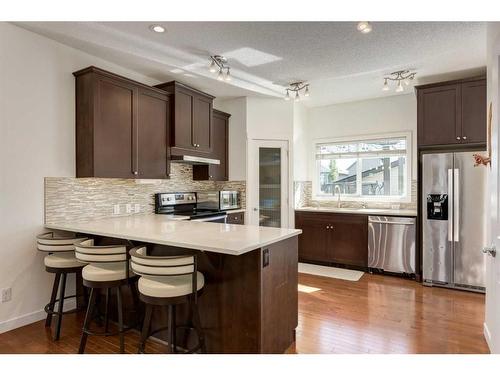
(464,137)
(136,173)
(458,138)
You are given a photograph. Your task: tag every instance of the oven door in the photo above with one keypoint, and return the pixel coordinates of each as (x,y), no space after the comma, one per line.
(213,219)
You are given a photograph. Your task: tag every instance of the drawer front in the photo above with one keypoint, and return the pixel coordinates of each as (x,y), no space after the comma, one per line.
(236,218)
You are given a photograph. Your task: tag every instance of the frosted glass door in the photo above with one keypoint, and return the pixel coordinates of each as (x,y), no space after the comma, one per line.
(270,185)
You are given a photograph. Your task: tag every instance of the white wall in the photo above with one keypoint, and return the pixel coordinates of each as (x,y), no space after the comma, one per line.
(37,119)
(382,115)
(237,135)
(300,144)
(492,313)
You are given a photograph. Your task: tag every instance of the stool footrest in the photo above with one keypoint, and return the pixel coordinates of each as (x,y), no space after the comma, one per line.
(50,310)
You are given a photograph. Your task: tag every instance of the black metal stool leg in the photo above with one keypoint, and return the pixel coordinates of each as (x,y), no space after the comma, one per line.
(106,310)
(174,325)
(60,307)
(120,319)
(170,328)
(145,327)
(53,297)
(88,319)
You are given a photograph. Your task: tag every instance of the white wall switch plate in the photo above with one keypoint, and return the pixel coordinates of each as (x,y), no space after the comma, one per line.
(6,294)
(128,208)
(137,207)
(116,209)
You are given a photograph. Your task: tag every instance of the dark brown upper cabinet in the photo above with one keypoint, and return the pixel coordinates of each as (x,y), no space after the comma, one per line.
(220,136)
(191,120)
(122,127)
(452,114)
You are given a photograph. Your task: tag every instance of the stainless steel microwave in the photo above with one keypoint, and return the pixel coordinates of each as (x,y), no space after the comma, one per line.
(220,200)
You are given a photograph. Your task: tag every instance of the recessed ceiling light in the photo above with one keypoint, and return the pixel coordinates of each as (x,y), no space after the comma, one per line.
(157,28)
(365,27)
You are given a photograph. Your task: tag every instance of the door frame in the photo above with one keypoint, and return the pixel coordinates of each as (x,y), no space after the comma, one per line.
(253,180)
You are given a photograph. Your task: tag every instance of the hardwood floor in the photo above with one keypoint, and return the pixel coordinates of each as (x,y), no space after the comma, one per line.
(385,314)
(377,314)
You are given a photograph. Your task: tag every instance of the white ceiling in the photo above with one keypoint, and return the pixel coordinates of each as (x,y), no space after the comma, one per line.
(340,63)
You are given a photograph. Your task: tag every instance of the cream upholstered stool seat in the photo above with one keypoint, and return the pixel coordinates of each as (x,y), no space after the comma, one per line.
(107,268)
(61,261)
(168,281)
(168,286)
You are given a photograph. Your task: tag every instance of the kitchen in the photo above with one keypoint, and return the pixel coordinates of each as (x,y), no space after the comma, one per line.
(314,226)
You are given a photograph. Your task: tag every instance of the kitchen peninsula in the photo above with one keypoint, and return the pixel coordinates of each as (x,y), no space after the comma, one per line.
(249,303)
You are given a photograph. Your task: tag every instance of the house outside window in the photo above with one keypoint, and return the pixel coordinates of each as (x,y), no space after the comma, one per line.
(371,169)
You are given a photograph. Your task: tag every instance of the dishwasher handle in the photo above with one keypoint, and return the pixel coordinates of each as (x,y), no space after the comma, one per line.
(396,222)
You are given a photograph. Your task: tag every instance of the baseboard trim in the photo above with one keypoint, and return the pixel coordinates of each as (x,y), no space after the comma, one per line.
(487,336)
(35,316)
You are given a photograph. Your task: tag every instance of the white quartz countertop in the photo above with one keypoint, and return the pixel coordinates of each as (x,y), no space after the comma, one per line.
(233,239)
(235,210)
(363,211)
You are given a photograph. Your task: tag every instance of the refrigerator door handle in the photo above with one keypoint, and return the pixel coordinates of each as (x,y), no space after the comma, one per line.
(450,209)
(456,205)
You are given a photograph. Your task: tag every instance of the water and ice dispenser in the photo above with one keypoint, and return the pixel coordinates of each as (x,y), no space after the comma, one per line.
(437,206)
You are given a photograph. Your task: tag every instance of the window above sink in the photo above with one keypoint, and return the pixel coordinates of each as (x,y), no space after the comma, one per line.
(375,168)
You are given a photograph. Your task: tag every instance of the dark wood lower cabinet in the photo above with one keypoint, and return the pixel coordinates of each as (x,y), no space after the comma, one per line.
(236,218)
(333,238)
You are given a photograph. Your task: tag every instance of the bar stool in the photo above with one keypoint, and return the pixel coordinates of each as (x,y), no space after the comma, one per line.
(61,261)
(168,281)
(107,268)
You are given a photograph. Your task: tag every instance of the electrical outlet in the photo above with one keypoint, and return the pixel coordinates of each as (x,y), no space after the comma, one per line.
(6,294)
(128,208)
(116,209)
(137,207)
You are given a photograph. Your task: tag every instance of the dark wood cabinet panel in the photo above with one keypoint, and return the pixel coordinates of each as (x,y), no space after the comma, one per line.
(122,127)
(348,240)
(191,120)
(452,114)
(313,241)
(439,115)
(220,134)
(202,123)
(236,218)
(183,120)
(474,112)
(152,144)
(114,135)
(333,238)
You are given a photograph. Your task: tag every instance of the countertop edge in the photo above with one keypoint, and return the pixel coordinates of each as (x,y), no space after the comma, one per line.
(244,250)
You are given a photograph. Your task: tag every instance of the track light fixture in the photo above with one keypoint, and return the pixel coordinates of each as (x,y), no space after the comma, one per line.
(297,87)
(399,77)
(219,64)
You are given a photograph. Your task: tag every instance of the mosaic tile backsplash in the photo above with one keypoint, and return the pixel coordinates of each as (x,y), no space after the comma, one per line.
(304,198)
(84,199)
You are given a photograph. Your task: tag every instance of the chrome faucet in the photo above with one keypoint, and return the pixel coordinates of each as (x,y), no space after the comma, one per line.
(337,192)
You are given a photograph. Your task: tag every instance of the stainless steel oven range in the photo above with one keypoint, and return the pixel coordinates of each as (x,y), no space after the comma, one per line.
(185,204)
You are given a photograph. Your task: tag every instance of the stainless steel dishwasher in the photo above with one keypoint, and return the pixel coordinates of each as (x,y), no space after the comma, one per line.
(391,243)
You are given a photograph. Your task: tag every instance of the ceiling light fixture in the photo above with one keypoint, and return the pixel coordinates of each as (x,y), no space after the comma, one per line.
(364,26)
(157,28)
(219,63)
(296,87)
(399,77)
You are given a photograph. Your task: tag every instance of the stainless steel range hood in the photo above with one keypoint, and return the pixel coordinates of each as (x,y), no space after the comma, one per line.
(193,160)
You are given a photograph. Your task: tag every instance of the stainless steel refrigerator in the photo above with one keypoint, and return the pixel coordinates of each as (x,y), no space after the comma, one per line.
(453,225)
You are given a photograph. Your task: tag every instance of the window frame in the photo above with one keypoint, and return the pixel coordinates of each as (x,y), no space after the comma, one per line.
(359,197)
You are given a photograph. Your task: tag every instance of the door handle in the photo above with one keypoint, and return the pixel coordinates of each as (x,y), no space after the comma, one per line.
(450,205)
(456,205)
(490,250)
